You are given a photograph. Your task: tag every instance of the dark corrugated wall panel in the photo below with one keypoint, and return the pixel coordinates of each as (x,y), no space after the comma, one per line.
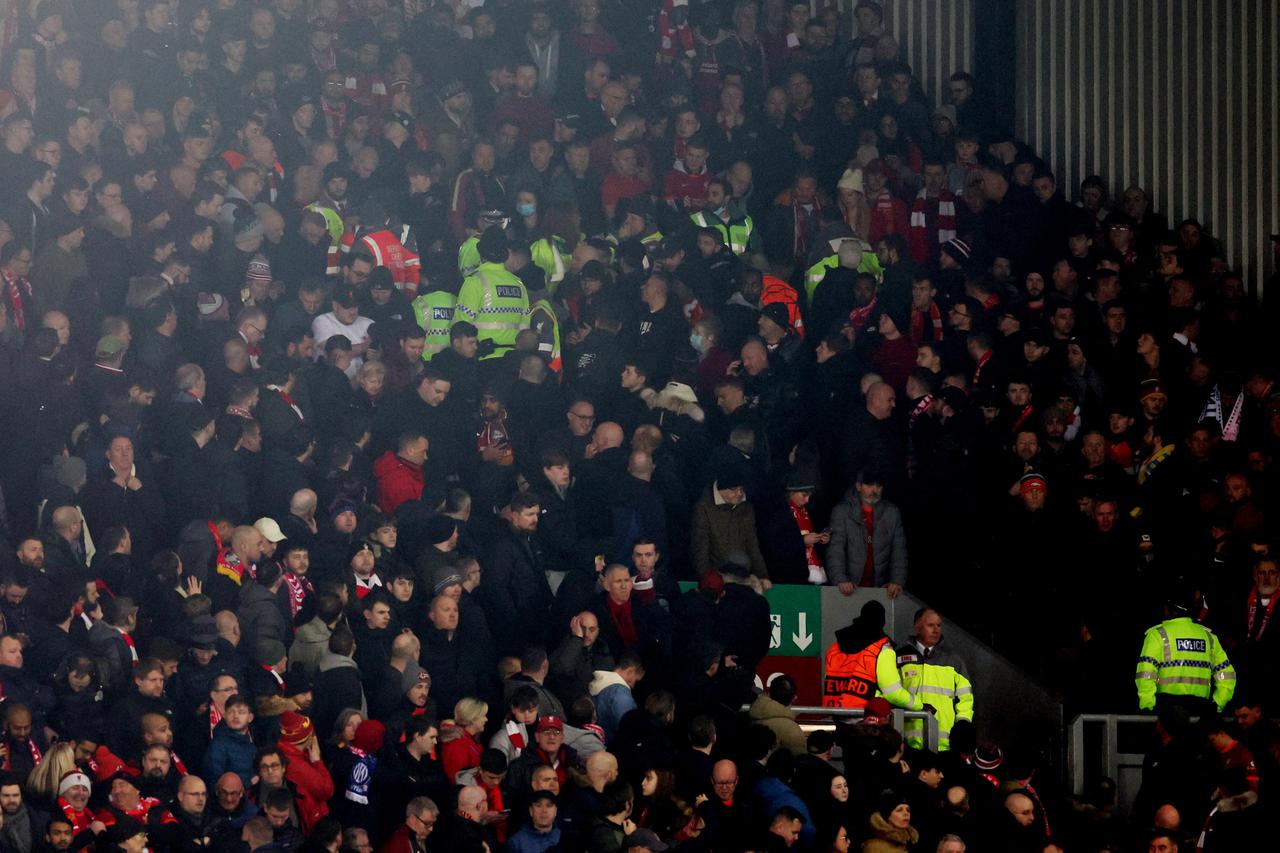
(1177,96)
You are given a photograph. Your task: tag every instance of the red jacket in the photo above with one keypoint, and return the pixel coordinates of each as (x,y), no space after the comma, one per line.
(460,754)
(679,184)
(313,783)
(399,842)
(398,481)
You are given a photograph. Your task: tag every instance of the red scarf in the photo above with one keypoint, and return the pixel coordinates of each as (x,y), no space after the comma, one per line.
(133,650)
(274,674)
(869,567)
(19,293)
(299,589)
(800,515)
(364,587)
(79,820)
(555,763)
(982,362)
(36,755)
(515,734)
(917,325)
(621,616)
(942,210)
(215,717)
(1021,419)
(1266,614)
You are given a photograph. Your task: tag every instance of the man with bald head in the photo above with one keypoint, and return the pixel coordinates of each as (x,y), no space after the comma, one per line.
(236,567)
(873,437)
(198,826)
(772,395)
(63,548)
(726,810)
(580,654)
(472,826)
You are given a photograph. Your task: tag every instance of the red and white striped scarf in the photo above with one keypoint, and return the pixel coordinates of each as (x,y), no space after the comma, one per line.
(299,588)
(918,328)
(942,210)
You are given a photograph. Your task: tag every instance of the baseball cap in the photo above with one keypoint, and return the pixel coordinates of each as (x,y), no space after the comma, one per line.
(549,723)
(270,529)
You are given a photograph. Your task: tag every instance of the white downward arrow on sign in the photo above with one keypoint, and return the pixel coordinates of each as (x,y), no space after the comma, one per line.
(804,638)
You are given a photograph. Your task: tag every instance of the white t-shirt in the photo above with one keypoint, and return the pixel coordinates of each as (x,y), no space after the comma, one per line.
(327,325)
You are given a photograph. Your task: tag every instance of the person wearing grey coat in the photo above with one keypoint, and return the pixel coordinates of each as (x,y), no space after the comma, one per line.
(847,552)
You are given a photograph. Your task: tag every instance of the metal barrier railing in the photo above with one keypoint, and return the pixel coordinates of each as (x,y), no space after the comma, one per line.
(900,718)
(1123,767)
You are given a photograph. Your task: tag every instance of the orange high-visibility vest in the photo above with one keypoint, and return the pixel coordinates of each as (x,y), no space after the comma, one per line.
(851,680)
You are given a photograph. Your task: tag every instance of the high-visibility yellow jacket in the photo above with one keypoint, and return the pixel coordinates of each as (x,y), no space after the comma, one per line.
(469,256)
(497,303)
(1182,658)
(552,256)
(434,312)
(739,232)
(939,678)
(813,276)
(854,678)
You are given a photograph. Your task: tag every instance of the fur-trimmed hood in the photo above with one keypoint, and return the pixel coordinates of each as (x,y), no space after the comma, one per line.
(680,399)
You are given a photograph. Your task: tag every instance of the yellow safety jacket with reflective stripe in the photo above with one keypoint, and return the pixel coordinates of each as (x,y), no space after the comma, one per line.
(469,256)
(1182,658)
(552,257)
(497,303)
(816,273)
(737,233)
(939,679)
(434,312)
(852,680)
(543,320)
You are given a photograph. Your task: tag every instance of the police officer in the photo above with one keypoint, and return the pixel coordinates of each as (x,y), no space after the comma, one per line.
(469,251)
(861,665)
(434,312)
(1183,663)
(493,298)
(938,676)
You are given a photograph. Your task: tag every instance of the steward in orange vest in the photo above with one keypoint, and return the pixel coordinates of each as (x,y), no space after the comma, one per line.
(861,664)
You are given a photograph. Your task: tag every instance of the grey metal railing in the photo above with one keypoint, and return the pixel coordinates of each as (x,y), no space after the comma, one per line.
(900,718)
(1087,758)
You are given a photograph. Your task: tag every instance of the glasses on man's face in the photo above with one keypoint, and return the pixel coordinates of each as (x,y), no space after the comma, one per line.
(428,823)
(582,417)
(273,765)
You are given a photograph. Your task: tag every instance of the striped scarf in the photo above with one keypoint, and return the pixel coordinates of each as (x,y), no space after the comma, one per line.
(942,210)
(1213,411)
(918,328)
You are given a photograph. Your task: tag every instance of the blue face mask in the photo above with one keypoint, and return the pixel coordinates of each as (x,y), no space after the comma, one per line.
(526,209)
(696,341)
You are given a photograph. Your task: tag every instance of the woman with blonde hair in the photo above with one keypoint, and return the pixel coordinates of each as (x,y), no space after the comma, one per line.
(461,736)
(42,782)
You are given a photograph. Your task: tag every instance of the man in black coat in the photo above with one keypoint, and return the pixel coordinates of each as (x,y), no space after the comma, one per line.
(420,408)
(124,495)
(278,410)
(198,829)
(337,683)
(458,665)
(627,623)
(286,469)
(516,593)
